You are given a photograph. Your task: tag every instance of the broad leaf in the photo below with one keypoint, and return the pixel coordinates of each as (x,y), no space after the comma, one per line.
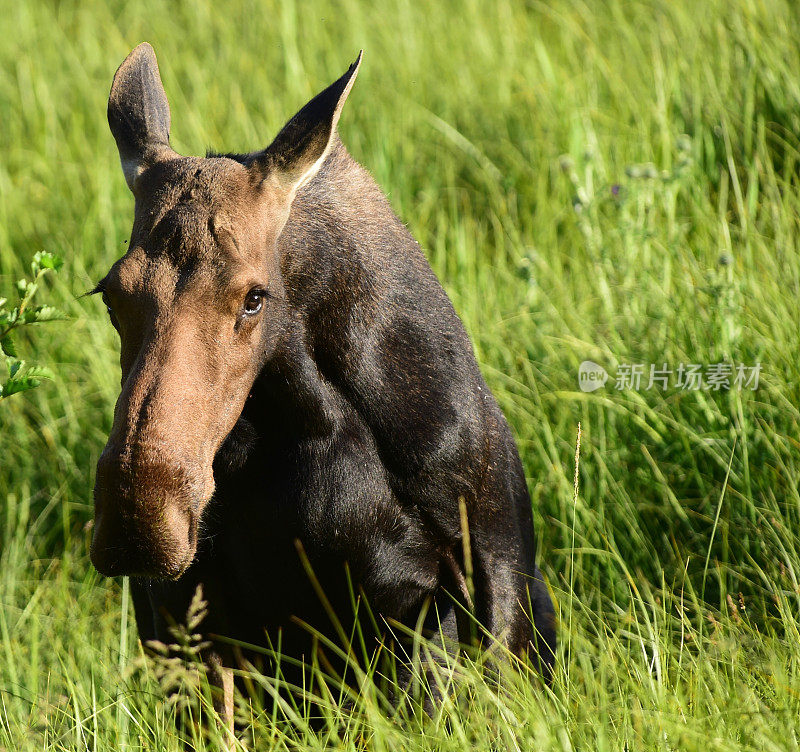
(8,347)
(43,313)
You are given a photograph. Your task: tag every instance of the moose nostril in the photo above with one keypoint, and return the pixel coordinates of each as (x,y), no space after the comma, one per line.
(192,530)
(102,550)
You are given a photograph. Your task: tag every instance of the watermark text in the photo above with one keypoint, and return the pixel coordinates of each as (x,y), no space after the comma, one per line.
(642,377)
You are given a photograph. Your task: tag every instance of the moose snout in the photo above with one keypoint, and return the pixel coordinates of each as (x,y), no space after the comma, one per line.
(146,515)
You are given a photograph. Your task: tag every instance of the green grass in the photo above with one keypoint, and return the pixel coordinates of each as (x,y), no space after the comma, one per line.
(499,131)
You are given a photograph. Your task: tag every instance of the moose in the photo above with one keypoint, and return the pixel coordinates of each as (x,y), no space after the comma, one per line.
(301,415)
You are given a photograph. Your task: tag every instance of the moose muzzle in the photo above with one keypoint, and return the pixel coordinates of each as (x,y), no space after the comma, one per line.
(155,474)
(146,513)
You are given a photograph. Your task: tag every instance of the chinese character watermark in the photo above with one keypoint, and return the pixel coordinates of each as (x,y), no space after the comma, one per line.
(642,377)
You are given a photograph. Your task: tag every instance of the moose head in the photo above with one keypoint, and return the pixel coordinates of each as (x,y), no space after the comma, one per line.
(197,301)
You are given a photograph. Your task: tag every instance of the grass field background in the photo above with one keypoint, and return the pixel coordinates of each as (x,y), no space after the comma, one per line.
(610,180)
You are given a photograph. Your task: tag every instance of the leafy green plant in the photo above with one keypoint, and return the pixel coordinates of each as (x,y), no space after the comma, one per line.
(19,376)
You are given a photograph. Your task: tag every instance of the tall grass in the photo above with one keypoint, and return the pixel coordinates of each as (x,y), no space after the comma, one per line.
(614,181)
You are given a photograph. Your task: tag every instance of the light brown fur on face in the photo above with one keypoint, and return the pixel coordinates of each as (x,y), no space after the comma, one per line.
(201,260)
(200,243)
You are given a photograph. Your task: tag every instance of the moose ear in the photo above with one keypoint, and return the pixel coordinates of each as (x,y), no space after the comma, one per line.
(138,113)
(300,148)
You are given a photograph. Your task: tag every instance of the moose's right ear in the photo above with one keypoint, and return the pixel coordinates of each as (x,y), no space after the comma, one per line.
(138,113)
(300,148)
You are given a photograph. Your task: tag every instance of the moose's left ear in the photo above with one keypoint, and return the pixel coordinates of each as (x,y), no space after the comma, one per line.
(300,148)
(138,113)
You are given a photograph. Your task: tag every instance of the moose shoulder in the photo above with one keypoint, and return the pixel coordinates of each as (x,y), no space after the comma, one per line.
(297,393)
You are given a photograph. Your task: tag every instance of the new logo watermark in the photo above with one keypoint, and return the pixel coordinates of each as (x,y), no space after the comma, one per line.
(639,377)
(591,376)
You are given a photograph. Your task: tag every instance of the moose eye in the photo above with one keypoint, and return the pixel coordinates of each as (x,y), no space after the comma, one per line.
(110,311)
(254,301)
